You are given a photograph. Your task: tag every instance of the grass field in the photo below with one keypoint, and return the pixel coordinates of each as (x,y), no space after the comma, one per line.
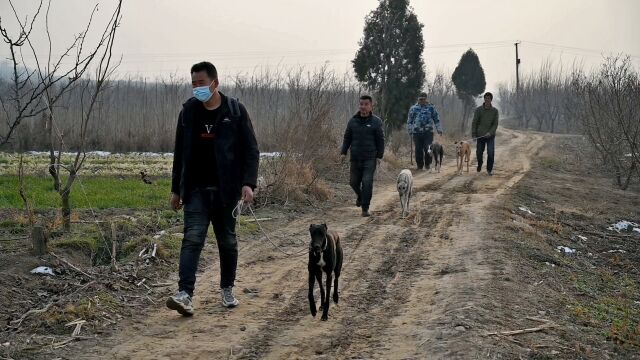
(98,192)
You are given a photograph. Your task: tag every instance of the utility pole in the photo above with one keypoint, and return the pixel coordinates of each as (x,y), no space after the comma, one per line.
(517,69)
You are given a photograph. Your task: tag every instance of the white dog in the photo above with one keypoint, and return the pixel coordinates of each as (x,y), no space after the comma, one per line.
(405,188)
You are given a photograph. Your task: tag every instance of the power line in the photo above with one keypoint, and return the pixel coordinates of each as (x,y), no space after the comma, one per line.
(575,48)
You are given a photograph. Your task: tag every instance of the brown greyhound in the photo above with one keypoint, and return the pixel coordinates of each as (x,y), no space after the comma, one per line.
(463,154)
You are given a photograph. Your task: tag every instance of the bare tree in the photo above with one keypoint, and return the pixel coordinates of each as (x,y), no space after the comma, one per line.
(607,105)
(38,91)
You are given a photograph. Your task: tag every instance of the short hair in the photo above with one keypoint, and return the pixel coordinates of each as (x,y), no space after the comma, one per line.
(422,95)
(366,97)
(488,94)
(212,73)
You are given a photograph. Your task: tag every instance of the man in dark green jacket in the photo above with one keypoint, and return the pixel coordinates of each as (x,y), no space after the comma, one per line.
(483,128)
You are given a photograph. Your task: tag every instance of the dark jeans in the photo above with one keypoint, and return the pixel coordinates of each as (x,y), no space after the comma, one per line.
(203,207)
(490,142)
(362,180)
(422,142)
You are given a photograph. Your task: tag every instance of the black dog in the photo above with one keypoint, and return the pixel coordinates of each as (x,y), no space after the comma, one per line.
(325,254)
(437,152)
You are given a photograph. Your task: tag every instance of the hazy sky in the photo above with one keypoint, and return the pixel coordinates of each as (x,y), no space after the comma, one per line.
(160,37)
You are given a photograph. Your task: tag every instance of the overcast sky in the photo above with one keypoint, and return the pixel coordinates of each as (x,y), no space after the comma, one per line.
(160,37)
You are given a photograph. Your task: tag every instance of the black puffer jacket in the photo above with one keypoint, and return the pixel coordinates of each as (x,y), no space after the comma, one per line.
(237,154)
(365,137)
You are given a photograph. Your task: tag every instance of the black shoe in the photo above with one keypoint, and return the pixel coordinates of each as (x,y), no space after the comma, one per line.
(490,173)
(365,213)
(479,168)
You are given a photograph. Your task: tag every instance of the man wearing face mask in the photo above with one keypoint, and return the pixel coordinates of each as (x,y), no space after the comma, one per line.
(215,164)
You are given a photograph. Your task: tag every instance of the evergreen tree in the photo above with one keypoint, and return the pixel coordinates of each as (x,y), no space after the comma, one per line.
(469,81)
(389,60)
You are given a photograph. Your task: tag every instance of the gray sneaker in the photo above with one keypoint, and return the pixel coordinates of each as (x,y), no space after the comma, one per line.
(228,299)
(181,302)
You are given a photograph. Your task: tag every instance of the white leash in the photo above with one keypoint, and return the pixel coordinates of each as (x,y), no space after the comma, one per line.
(237,211)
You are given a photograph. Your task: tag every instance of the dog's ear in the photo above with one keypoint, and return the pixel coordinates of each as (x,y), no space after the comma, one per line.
(310,227)
(324,226)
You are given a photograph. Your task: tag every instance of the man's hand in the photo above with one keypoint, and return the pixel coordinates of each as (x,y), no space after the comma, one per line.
(176,202)
(247,194)
(488,135)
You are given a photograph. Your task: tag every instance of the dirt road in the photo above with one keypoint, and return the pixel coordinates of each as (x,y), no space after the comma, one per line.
(410,287)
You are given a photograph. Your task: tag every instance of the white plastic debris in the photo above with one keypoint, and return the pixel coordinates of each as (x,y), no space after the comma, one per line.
(583,238)
(624,225)
(525,209)
(158,235)
(617,251)
(565,250)
(99,153)
(271,154)
(550,264)
(44,270)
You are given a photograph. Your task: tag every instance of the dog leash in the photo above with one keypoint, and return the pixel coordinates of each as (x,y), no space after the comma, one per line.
(237,211)
(475,138)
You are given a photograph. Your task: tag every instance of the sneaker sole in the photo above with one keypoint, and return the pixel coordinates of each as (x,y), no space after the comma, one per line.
(174,305)
(230,305)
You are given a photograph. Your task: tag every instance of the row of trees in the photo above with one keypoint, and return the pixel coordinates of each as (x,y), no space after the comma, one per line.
(602,105)
(139,114)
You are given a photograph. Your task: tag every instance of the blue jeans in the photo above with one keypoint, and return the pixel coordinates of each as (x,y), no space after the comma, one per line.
(490,143)
(422,142)
(204,206)
(361,180)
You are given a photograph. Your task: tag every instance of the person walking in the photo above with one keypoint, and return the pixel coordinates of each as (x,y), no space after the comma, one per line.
(215,164)
(423,119)
(483,129)
(364,135)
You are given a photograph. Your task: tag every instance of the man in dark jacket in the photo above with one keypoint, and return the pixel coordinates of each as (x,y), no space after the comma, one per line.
(365,136)
(215,164)
(484,127)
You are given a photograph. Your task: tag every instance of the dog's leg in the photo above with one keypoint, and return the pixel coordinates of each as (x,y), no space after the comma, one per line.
(312,301)
(319,279)
(325,308)
(337,271)
(405,205)
(467,160)
(335,287)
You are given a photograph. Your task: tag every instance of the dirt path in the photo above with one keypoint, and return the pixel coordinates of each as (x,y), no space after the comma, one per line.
(409,287)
